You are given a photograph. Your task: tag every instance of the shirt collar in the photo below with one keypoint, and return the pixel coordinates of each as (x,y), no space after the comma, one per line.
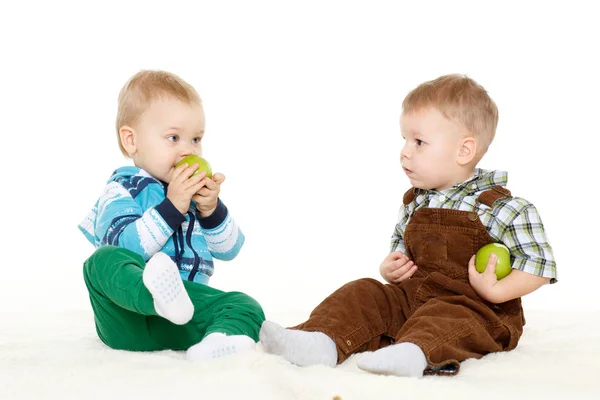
(481,180)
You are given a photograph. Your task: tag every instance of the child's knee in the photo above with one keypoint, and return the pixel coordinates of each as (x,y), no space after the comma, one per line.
(107,255)
(363,283)
(251,303)
(248,303)
(93,261)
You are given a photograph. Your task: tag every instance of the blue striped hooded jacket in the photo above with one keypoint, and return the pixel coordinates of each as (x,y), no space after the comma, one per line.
(133,212)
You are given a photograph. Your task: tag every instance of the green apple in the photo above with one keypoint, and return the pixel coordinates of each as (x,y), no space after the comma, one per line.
(203,165)
(503,266)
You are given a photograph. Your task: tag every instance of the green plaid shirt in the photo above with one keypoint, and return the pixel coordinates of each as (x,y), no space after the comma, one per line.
(512,221)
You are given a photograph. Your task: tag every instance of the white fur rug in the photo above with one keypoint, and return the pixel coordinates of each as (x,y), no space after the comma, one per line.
(57,355)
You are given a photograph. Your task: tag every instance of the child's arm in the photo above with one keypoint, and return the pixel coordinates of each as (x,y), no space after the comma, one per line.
(223,236)
(514,285)
(533,261)
(121,222)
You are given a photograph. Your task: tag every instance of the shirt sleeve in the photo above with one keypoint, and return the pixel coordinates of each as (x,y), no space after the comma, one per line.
(397,243)
(527,241)
(122,222)
(223,236)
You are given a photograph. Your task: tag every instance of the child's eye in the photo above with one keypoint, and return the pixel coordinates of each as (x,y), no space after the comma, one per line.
(419,142)
(196,140)
(173,138)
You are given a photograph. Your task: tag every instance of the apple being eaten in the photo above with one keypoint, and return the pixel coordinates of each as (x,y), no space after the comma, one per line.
(203,165)
(503,266)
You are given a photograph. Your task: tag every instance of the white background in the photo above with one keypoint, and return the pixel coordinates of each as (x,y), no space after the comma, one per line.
(302,101)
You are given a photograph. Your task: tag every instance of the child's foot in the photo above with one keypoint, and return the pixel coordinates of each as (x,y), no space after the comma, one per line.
(218,345)
(402,359)
(171,301)
(299,347)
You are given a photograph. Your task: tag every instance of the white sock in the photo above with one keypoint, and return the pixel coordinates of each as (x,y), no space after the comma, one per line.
(298,347)
(171,301)
(402,359)
(216,345)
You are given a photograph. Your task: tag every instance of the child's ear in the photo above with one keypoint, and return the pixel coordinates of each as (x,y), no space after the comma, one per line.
(467,151)
(127,137)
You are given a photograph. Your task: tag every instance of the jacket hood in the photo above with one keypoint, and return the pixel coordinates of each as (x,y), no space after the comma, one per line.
(126,172)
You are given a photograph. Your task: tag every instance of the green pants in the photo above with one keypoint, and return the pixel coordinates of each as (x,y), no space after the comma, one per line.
(124,309)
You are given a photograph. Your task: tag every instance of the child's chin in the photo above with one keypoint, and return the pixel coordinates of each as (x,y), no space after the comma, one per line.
(415,183)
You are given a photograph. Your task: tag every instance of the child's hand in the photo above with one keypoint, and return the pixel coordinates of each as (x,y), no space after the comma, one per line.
(206,197)
(483,283)
(183,186)
(396,267)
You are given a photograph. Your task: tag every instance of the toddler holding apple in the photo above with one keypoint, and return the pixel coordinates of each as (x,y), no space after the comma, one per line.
(437,309)
(157,227)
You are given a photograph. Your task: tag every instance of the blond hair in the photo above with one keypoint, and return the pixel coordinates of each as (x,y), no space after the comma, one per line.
(460,99)
(145,87)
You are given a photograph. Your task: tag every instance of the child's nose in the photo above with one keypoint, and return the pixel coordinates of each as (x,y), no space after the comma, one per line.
(404,153)
(186,150)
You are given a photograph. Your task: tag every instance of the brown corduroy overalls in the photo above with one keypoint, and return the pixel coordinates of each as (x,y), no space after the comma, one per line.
(437,309)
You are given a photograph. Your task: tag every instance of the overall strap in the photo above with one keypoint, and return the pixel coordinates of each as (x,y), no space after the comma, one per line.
(409,196)
(490,196)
